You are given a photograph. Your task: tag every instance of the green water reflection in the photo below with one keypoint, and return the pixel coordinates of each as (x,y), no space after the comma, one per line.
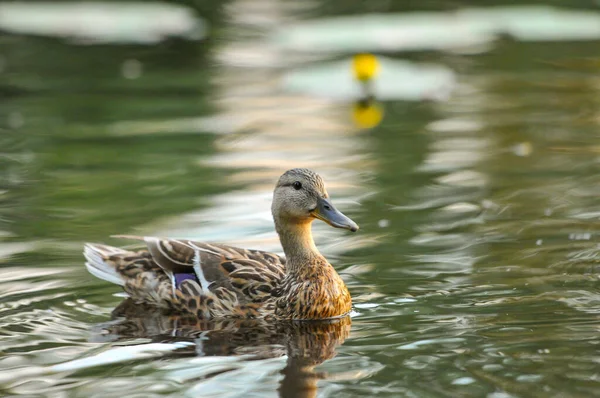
(475,272)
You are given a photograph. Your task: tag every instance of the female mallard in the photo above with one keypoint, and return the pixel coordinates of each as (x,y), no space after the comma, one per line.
(214,281)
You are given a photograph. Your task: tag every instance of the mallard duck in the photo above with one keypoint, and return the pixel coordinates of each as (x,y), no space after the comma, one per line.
(212,280)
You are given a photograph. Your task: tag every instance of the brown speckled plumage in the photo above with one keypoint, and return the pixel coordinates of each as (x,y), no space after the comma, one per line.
(239,283)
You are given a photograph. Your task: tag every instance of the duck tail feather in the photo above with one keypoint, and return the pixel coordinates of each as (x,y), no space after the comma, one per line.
(99,265)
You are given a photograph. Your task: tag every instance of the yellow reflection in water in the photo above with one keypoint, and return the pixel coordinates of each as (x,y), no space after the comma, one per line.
(367,113)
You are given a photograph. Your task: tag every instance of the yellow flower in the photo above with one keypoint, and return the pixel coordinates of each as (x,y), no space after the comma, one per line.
(365,66)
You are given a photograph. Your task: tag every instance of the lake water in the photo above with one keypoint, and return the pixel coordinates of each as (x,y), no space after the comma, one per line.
(473,172)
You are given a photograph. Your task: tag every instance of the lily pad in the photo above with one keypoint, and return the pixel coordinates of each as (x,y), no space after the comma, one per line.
(102,22)
(462,30)
(395,80)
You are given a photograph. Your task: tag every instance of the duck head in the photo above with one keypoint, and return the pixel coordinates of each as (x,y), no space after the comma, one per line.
(300,197)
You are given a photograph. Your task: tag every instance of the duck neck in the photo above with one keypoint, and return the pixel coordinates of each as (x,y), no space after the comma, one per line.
(298,245)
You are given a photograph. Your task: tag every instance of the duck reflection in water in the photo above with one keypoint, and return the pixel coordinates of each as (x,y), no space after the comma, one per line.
(306,343)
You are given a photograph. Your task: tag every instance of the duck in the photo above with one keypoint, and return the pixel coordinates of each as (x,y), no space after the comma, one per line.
(212,281)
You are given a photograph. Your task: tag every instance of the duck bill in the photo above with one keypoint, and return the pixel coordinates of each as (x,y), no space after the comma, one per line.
(325,211)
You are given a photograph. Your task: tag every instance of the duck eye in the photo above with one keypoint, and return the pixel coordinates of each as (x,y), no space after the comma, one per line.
(297,185)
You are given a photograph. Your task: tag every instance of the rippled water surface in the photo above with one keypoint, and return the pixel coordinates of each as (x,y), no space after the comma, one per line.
(473,173)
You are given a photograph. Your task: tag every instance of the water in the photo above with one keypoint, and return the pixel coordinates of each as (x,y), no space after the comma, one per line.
(475,272)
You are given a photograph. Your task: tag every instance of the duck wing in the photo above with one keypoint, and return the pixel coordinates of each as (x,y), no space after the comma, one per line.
(250,274)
